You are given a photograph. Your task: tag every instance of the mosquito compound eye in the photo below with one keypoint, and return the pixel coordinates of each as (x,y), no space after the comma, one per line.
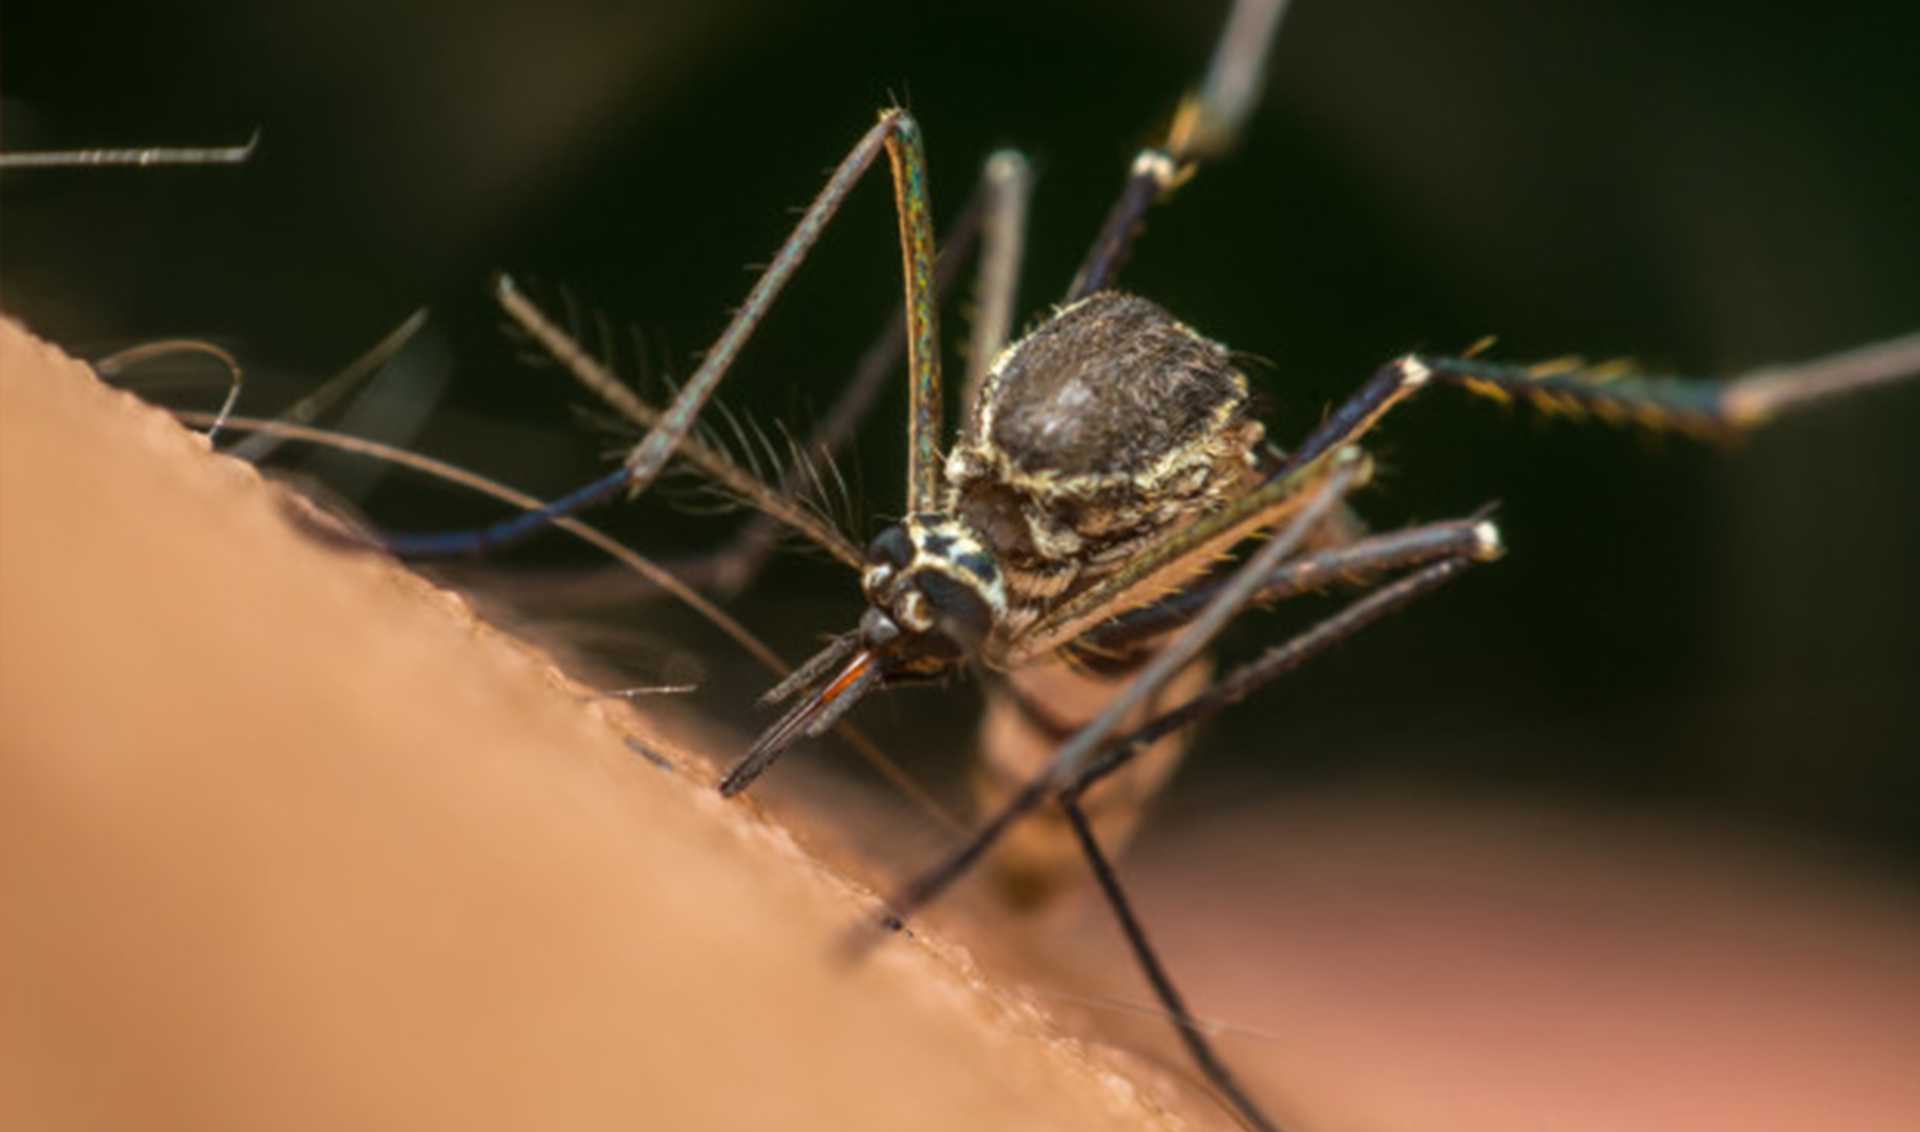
(891,547)
(960,613)
(887,555)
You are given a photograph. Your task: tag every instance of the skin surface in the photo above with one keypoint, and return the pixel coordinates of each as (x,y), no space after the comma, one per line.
(289,839)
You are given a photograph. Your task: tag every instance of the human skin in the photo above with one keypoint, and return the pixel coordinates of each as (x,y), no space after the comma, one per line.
(289,839)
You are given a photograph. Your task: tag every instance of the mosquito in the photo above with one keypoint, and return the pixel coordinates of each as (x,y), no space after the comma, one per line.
(1069,540)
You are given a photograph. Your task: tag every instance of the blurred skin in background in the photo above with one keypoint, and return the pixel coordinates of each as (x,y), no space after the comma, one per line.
(1416,961)
(1677,720)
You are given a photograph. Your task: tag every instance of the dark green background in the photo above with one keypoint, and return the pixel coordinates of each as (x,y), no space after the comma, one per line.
(1702,186)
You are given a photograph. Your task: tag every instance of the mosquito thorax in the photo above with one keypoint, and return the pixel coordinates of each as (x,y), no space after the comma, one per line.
(1104,428)
(935,589)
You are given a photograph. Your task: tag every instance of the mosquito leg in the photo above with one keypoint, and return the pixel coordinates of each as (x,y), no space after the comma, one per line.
(1008,185)
(256,448)
(899,136)
(1229,690)
(1697,405)
(1389,385)
(1212,1067)
(1207,125)
(1210,121)
(150,155)
(1717,407)
(1612,394)
(1689,404)
(1359,562)
(1152,176)
(118,363)
(1274,663)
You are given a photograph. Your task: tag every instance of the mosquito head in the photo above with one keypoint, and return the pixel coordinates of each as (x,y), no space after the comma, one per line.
(935,595)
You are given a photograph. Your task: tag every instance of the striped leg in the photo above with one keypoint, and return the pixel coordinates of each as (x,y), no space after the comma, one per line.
(1207,126)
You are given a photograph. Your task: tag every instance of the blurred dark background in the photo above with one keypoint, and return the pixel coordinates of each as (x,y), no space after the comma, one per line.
(1703,187)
